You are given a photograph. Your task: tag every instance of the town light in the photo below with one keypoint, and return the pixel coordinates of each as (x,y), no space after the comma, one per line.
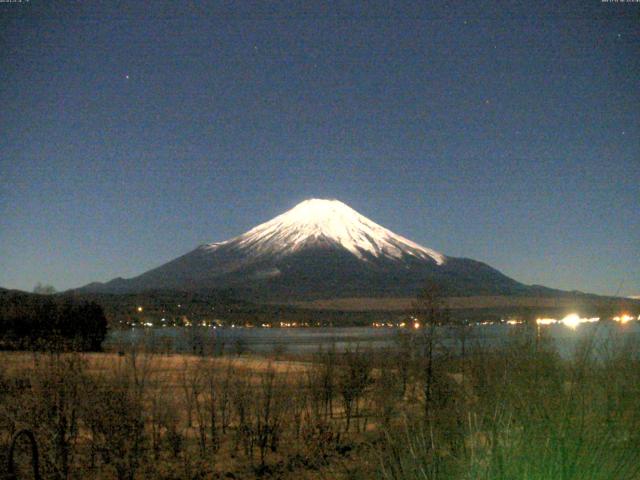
(572,320)
(546,321)
(624,318)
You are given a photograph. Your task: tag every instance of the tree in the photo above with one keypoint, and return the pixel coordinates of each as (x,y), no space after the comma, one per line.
(353,379)
(38,322)
(44,289)
(428,314)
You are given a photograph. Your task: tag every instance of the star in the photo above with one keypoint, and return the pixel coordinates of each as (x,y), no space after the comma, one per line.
(126,77)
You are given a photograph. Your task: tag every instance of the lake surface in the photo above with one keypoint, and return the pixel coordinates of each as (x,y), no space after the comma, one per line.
(604,335)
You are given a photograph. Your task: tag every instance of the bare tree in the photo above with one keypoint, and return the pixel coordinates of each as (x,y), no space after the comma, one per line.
(241,393)
(429,313)
(269,408)
(353,379)
(190,388)
(212,404)
(389,386)
(55,387)
(114,414)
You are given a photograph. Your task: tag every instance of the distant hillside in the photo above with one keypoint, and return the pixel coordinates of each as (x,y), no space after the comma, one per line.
(566,301)
(211,307)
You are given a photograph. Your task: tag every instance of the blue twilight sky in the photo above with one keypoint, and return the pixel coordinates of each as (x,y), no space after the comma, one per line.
(508,132)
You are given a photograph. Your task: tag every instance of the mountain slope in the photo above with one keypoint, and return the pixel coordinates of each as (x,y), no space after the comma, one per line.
(318,249)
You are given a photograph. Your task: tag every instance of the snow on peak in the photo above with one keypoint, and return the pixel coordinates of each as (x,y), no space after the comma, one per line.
(330,221)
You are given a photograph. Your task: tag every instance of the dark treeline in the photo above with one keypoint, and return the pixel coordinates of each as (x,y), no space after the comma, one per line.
(218,306)
(226,307)
(31,322)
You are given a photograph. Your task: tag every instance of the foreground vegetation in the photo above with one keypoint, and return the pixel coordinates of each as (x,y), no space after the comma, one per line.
(414,411)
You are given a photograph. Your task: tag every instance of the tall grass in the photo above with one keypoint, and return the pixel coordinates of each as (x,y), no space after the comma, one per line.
(530,415)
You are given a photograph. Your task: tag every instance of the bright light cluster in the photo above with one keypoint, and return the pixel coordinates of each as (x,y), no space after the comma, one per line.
(624,318)
(546,321)
(572,320)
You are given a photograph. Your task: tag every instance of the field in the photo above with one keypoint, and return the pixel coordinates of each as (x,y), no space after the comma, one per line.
(561,303)
(412,411)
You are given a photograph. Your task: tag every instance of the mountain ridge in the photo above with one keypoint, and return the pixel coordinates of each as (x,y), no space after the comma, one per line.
(318,249)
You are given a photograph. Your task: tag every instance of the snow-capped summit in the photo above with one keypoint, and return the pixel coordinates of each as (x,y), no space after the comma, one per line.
(318,221)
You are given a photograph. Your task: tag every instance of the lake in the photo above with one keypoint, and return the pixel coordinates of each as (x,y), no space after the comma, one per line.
(309,340)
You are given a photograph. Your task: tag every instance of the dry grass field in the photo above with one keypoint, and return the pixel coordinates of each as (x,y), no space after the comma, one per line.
(167,367)
(139,415)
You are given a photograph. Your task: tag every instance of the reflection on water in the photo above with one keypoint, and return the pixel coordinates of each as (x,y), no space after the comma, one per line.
(308,340)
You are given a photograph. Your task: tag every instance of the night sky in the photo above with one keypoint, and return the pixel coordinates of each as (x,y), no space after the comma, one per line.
(507,132)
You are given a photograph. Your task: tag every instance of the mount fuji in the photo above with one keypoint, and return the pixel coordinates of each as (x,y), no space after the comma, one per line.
(318,249)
